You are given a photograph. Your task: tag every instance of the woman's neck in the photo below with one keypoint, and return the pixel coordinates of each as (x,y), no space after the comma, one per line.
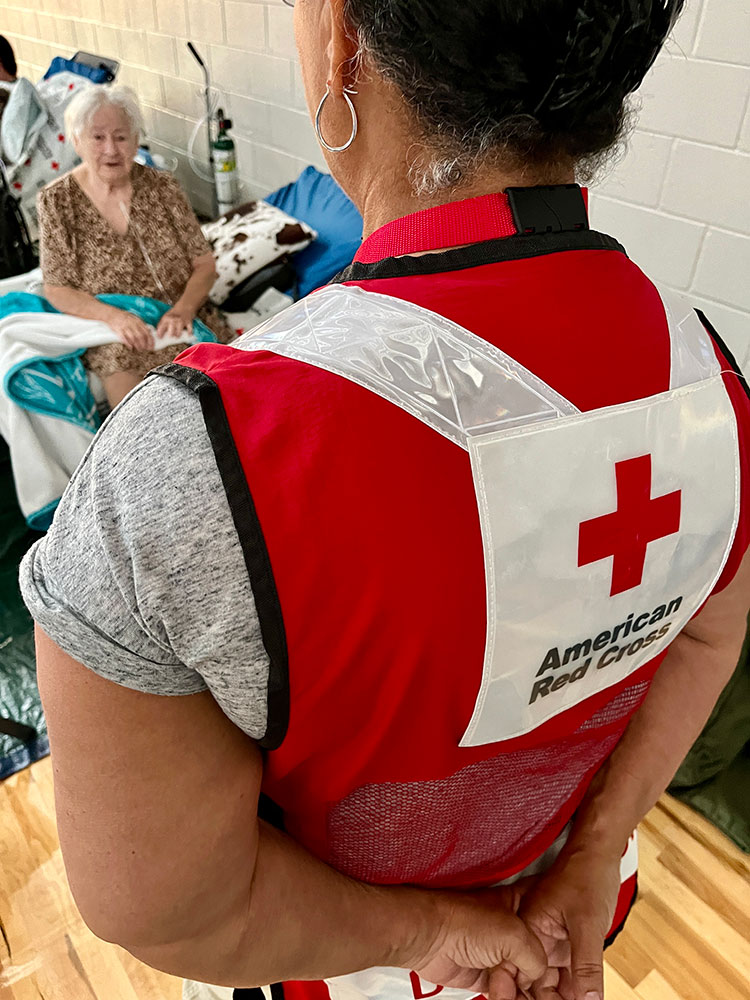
(101,189)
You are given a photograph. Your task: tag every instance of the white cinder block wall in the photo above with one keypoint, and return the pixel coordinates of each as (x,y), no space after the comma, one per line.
(679,200)
(247,44)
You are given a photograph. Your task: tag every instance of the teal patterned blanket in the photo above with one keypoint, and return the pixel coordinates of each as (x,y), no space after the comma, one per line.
(48,413)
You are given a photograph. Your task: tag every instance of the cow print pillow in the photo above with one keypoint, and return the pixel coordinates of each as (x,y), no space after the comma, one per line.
(249,238)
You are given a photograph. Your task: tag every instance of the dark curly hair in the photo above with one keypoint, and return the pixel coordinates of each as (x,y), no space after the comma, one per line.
(540,82)
(7,59)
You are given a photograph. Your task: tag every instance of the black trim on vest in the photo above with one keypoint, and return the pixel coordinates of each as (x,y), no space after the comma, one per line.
(476,254)
(616,932)
(713,333)
(253,544)
(270,812)
(256,993)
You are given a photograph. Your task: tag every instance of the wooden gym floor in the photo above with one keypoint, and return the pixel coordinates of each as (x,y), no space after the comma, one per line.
(688,937)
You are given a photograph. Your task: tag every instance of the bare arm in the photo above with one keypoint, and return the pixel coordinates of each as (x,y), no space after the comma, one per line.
(77,303)
(687,685)
(189,236)
(574,902)
(157,812)
(183,312)
(199,284)
(129,328)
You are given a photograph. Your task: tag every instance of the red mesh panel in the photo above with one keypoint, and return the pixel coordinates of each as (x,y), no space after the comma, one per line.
(620,707)
(474,823)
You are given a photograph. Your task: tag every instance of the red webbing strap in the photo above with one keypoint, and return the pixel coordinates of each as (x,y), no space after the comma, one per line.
(470,221)
(455,224)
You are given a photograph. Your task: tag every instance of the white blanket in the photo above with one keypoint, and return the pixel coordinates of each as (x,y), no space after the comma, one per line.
(40,403)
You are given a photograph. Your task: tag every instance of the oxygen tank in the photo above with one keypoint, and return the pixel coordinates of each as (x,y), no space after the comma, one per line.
(225,165)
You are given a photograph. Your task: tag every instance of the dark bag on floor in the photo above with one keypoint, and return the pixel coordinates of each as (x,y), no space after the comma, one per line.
(715,776)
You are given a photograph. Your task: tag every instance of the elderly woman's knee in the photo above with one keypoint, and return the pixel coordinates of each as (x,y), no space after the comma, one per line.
(119,384)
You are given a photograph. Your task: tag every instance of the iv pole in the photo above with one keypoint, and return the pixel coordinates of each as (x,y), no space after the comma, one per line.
(207,95)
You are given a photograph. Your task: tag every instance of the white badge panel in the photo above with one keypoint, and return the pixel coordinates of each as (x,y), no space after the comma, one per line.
(612,529)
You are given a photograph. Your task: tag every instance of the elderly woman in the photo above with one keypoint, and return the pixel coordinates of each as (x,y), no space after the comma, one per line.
(448,561)
(112,225)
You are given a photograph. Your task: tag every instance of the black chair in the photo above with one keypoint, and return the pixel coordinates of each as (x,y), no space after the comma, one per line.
(16,249)
(280,275)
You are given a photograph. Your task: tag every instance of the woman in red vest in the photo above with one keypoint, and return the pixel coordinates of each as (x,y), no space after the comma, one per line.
(443,571)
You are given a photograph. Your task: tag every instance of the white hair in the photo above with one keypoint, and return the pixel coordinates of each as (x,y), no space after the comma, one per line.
(87,102)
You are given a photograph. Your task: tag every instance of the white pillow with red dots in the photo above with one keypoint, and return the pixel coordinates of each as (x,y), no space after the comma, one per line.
(50,153)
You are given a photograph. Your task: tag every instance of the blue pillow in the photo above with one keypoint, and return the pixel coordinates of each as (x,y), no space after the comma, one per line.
(317,199)
(97,74)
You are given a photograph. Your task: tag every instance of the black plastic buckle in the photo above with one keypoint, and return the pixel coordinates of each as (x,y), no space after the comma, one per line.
(558,208)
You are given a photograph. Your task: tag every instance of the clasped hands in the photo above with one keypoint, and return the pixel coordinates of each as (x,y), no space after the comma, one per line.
(541,938)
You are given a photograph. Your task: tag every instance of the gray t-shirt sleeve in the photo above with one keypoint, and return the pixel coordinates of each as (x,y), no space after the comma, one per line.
(142,577)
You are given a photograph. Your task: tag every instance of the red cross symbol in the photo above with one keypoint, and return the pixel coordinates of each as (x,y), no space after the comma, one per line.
(626,532)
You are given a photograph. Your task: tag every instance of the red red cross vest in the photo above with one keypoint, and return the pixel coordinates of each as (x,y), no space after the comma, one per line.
(465,583)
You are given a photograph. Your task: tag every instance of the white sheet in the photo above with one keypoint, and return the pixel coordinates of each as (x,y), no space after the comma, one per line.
(29,282)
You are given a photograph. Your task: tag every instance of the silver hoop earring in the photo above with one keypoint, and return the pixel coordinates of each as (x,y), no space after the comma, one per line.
(352,137)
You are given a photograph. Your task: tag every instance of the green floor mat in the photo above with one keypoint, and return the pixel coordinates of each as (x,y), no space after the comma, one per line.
(19,696)
(714,778)
(725,800)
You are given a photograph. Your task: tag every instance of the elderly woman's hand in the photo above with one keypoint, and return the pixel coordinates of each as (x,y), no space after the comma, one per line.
(174,322)
(131,330)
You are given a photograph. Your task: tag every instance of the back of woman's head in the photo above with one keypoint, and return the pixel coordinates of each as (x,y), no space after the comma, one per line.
(542,82)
